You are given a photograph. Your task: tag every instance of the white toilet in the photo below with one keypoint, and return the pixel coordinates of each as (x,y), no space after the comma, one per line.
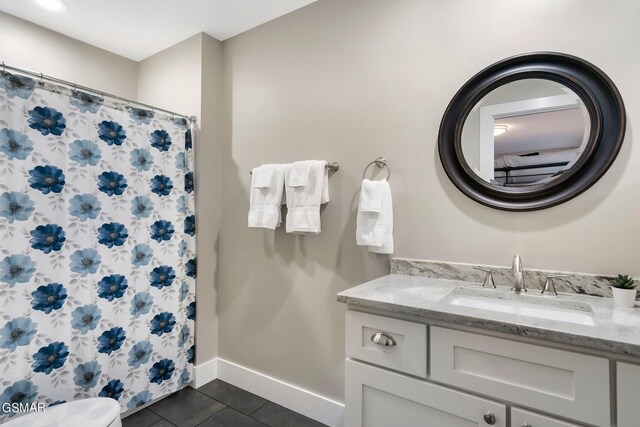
(93,412)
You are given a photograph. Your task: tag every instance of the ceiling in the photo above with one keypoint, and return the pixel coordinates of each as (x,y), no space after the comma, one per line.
(137,29)
(552,130)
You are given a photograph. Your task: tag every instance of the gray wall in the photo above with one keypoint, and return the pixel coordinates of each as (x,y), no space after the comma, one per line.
(208,193)
(351,80)
(26,45)
(186,78)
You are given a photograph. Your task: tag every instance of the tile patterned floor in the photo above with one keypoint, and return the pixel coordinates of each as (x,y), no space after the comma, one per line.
(216,404)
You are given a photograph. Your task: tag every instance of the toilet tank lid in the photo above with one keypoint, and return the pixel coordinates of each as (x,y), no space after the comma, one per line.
(96,411)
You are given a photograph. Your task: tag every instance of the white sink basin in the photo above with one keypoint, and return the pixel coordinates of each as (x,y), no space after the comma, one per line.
(523,304)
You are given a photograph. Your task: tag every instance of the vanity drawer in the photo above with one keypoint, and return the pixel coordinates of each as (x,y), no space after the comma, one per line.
(407,342)
(522,418)
(569,384)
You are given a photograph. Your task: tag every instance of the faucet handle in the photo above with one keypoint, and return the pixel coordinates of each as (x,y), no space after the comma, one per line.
(549,286)
(488,278)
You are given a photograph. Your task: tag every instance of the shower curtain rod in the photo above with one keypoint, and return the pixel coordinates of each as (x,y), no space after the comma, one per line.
(102,94)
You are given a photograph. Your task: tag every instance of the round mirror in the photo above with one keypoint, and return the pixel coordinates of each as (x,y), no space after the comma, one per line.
(531,131)
(525,133)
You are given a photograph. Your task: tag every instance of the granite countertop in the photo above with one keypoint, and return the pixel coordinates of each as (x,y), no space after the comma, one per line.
(610,329)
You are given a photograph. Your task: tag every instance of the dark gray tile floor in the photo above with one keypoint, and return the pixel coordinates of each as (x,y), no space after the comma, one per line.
(216,404)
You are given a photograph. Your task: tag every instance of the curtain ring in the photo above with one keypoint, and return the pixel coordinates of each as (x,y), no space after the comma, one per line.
(101,96)
(74,90)
(4,68)
(127,106)
(41,83)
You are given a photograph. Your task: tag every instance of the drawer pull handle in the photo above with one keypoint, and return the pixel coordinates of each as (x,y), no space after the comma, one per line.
(383,338)
(489,418)
(526,425)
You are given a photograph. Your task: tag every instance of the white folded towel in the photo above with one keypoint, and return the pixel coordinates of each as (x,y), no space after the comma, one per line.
(265,198)
(306,188)
(299,173)
(374,223)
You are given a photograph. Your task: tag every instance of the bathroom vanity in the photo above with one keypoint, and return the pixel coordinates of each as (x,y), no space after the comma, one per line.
(457,354)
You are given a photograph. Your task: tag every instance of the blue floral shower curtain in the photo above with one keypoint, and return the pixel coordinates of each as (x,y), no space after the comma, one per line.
(97,248)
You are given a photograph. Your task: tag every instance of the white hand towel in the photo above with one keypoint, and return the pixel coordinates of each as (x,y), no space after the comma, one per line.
(374,223)
(298,175)
(265,198)
(262,176)
(371,196)
(303,201)
(386,219)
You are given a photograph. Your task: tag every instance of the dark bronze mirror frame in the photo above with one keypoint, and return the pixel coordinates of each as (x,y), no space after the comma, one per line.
(601,99)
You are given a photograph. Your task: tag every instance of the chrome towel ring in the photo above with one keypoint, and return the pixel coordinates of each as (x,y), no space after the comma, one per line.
(380,162)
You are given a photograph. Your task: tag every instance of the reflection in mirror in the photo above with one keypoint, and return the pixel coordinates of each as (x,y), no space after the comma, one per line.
(524,133)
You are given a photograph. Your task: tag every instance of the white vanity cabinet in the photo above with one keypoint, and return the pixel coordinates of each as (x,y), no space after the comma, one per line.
(381,398)
(524,418)
(436,376)
(406,349)
(562,382)
(627,391)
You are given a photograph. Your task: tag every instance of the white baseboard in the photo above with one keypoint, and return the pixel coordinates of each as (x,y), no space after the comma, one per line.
(297,399)
(204,373)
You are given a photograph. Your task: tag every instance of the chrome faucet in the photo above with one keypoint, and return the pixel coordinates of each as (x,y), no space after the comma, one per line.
(518,275)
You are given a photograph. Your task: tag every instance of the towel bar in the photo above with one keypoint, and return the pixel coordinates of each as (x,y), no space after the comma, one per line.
(333,167)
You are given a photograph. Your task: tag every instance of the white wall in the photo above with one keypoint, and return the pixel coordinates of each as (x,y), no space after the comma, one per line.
(26,45)
(351,80)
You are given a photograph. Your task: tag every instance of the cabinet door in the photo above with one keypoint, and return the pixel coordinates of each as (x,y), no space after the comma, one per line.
(628,389)
(522,418)
(379,398)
